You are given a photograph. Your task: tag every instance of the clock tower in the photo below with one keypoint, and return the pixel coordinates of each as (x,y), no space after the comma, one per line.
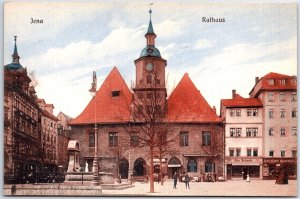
(150,71)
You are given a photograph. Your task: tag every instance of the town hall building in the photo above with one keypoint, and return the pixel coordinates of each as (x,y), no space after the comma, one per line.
(120,116)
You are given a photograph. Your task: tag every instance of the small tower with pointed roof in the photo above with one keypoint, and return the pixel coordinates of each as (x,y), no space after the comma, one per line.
(150,69)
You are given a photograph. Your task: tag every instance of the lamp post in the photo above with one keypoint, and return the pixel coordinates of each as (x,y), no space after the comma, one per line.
(93,92)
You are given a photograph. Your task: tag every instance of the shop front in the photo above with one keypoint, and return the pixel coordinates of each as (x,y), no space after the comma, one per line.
(271,167)
(239,168)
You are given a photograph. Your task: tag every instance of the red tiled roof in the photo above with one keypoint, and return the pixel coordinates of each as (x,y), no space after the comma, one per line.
(187,105)
(239,101)
(108,109)
(264,85)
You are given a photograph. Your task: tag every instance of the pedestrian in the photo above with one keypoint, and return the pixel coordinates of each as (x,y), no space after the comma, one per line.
(187,180)
(175,176)
(248,178)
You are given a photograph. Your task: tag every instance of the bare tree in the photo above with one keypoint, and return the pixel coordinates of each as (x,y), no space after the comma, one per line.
(148,112)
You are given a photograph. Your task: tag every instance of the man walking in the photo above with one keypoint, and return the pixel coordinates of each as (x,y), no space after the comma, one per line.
(187,180)
(175,176)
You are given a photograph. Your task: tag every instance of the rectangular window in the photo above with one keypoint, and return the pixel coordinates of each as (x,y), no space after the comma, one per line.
(92,139)
(282,131)
(238,132)
(232,112)
(238,112)
(294,113)
(134,139)
(271,82)
(294,131)
(294,153)
(271,113)
(206,139)
(254,132)
(271,131)
(249,112)
(249,151)
(271,97)
(238,152)
(282,113)
(149,79)
(255,152)
(282,82)
(293,81)
(271,153)
(184,138)
(282,153)
(255,112)
(248,132)
(294,97)
(115,93)
(113,139)
(231,152)
(282,96)
(232,132)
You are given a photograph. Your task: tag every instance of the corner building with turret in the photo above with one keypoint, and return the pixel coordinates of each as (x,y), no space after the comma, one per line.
(197,144)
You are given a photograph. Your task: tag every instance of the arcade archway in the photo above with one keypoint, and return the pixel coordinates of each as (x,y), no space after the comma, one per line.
(139,167)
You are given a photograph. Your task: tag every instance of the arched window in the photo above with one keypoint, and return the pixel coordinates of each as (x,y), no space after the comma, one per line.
(209,166)
(192,166)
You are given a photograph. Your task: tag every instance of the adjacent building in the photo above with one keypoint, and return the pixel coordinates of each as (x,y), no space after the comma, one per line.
(243,136)
(22,116)
(278,94)
(49,139)
(63,130)
(121,116)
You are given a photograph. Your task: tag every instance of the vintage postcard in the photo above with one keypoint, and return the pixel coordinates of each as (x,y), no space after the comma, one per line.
(140,98)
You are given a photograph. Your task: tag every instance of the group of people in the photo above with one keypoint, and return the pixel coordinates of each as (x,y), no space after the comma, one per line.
(185,179)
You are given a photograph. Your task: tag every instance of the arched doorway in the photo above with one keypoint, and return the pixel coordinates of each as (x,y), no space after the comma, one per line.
(192,166)
(123,168)
(174,165)
(139,167)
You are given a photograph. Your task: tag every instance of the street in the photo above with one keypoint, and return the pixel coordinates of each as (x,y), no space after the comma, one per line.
(228,188)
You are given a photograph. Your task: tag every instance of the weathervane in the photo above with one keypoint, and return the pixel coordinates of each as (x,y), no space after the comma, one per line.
(150,11)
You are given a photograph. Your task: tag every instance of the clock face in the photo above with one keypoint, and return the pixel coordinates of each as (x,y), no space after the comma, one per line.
(149,67)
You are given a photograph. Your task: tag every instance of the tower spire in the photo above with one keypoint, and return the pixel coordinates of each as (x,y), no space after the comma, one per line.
(15,56)
(150,35)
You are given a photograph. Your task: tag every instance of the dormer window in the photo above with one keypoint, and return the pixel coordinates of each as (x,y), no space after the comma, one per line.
(282,82)
(115,93)
(270,82)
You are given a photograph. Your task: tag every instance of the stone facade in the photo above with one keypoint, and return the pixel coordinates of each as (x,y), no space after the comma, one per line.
(122,116)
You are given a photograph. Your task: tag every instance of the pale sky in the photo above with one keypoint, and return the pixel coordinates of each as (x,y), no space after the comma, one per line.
(77,38)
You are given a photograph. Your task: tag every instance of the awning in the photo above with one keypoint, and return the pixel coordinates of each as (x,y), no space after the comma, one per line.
(174,165)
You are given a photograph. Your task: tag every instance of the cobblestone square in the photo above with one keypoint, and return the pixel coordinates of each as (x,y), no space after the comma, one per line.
(228,188)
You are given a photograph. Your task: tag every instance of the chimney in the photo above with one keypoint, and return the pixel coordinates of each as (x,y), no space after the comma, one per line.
(256,79)
(214,109)
(233,93)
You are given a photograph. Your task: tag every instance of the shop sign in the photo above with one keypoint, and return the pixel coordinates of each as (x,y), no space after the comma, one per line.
(279,161)
(242,160)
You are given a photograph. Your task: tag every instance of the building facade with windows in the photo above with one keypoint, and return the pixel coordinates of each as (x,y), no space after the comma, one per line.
(243,136)
(49,138)
(22,127)
(278,94)
(117,112)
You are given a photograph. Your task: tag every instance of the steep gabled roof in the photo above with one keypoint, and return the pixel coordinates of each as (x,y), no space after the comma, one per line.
(109,109)
(187,105)
(239,101)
